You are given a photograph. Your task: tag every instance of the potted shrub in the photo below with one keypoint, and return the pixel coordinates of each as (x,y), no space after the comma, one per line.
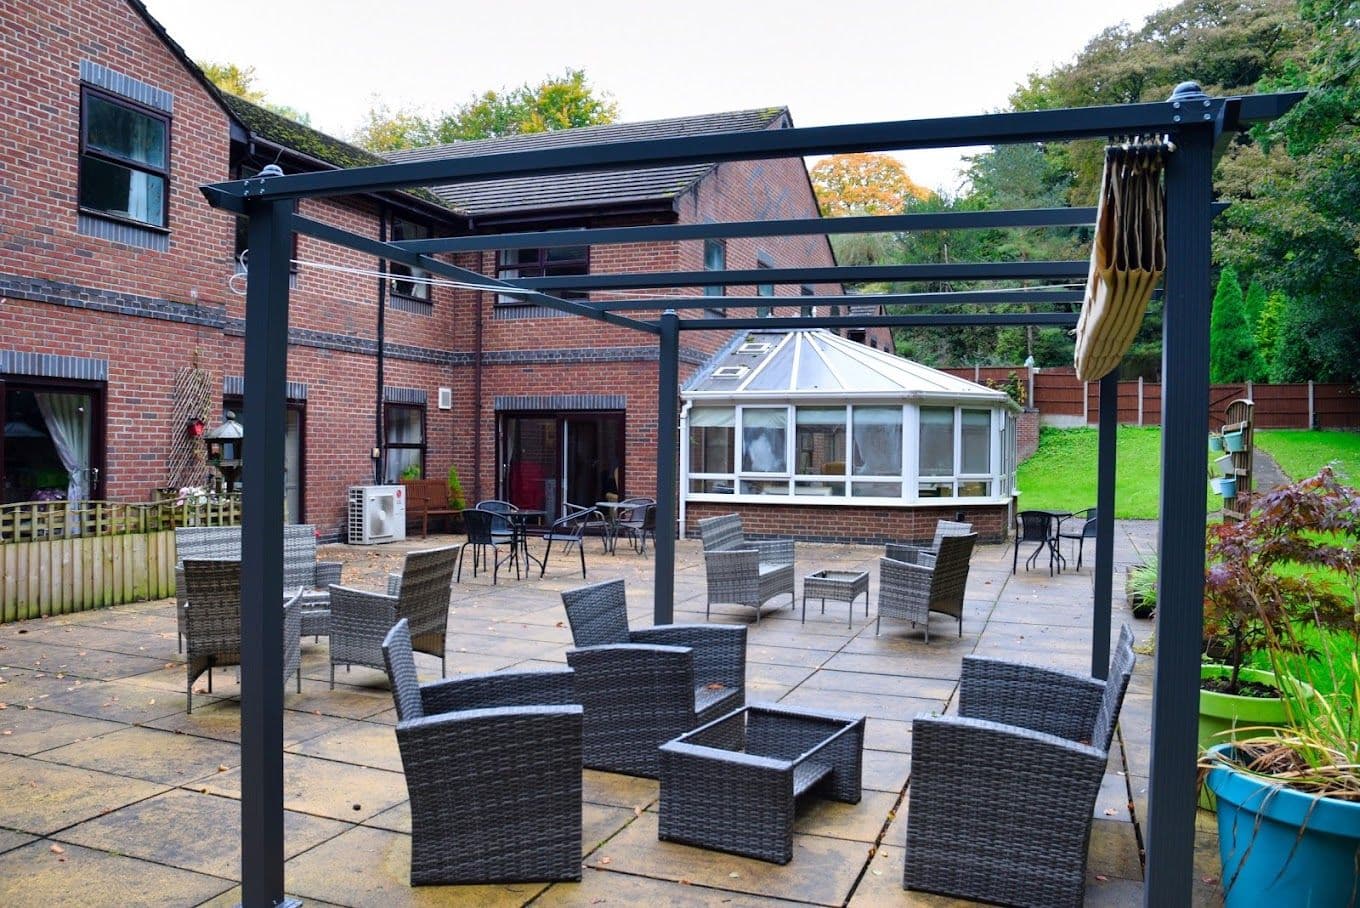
(1140,588)
(1289,798)
(1266,576)
(457,500)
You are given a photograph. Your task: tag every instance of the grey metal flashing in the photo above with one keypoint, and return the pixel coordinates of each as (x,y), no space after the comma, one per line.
(511,312)
(111,80)
(585,355)
(410,304)
(395,395)
(51,365)
(560,402)
(235,386)
(118,232)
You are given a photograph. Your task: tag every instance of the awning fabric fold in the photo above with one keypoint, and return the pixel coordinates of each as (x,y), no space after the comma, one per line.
(1128,257)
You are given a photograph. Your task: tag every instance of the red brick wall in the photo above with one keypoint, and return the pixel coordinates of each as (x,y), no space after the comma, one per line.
(866,525)
(1026,434)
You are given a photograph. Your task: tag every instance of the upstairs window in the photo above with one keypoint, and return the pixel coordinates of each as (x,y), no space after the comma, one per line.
(764,289)
(512,264)
(124,160)
(407,281)
(715,259)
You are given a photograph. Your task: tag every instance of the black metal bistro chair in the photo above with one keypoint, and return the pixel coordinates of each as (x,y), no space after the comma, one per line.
(1080,527)
(481,535)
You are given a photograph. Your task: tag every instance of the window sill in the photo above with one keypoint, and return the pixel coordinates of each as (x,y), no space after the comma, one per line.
(126,222)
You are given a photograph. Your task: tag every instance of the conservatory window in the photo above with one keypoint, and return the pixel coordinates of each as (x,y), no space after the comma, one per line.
(712,436)
(936,452)
(819,438)
(877,434)
(975,453)
(764,448)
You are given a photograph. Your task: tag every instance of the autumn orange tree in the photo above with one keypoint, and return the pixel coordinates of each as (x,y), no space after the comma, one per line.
(864,184)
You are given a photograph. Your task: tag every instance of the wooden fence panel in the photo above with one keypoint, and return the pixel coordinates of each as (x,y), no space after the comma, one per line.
(71,574)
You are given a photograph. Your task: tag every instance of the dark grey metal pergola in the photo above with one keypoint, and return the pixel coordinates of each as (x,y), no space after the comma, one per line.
(1198,125)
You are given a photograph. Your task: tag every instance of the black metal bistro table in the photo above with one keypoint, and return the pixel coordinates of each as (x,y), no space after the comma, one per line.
(519,521)
(1055,519)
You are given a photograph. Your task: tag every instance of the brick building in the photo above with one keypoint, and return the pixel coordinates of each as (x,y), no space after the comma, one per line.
(121,312)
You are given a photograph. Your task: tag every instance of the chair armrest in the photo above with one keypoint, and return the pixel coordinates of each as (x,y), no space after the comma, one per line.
(773,551)
(633,671)
(522,736)
(328,572)
(1029,696)
(900,551)
(394,584)
(714,758)
(499,689)
(719,650)
(180,596)
(733,561)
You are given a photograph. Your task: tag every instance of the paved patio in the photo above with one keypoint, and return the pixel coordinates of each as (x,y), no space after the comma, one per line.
(111,795)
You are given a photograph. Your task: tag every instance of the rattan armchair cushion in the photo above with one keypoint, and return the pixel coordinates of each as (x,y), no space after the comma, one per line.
(493,771)
(1001,812)
(660,683)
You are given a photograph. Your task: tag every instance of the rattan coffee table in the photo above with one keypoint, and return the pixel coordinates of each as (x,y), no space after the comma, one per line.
(839,586)
(731,785)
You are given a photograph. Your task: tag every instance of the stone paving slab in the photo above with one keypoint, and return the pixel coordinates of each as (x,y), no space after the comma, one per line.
(324,788)
(41,798)
(175,828)
(91,878)
(179,759)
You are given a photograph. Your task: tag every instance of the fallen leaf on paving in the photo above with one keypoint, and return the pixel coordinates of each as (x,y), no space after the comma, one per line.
(221,767)
(877,872)
(1102,877)
(57,849)
(637,811)
(684,882)
(1111,812)
(606,860)
(358,807)
(734,875)
(713,686)
(6,732)
(203,790)
(151,702)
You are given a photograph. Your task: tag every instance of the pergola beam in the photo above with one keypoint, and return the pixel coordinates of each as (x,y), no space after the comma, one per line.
(924,319)
(1019,297)
(902,135)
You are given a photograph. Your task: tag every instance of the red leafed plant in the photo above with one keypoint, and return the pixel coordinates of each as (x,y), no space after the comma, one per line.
(1250,604)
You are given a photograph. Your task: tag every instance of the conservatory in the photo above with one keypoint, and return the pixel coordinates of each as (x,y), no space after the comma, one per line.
(785,425)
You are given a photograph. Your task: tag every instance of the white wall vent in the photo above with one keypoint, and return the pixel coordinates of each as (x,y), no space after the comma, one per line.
(731,371)
(446,398)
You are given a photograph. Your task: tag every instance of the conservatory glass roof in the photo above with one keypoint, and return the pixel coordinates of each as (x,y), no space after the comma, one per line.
(819,362)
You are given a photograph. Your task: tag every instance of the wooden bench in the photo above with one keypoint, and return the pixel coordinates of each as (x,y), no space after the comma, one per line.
(426,498)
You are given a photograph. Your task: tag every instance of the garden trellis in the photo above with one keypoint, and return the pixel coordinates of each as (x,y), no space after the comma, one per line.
(1199,126)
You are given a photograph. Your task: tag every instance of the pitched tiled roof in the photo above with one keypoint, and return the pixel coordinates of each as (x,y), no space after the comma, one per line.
(579,190)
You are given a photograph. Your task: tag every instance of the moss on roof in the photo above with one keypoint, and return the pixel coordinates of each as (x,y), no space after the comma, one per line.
(279,130)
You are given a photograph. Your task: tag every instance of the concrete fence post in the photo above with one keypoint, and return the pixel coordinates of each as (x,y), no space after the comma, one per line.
(1140,400)
(1251,390)
(1086,403)
(1312,410)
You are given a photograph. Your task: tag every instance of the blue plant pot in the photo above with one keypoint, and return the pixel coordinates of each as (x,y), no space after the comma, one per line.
(1227,486)
(1215,442)
(1234,442)
(1280,846)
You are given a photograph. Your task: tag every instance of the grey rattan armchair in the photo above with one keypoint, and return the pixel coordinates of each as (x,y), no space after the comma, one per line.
(493,771)
(212,623)
(748,572)
(1002,794)
(360,619)
(922,555)
(300,569)
(643,688)
(910,592)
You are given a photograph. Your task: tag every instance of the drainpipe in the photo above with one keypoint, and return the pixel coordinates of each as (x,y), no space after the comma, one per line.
(477,396)
(382,333)
(684,461)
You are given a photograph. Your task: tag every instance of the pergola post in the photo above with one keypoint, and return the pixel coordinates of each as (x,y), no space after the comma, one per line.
(266,358)
(1104,554)
(667,454)
(1180,582)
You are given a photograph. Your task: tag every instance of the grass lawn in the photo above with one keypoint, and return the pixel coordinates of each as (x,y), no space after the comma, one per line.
(1302,452)
(1061,476)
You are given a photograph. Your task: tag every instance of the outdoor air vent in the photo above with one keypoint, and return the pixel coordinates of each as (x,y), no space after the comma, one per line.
(754,347)
(731,371)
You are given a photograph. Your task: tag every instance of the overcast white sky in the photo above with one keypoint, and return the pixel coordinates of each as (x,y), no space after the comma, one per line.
(831,61)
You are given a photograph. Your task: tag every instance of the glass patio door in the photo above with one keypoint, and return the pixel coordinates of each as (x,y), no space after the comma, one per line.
(550,459)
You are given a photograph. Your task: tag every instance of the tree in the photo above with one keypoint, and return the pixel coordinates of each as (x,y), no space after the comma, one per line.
(233,79)
(1267,334)
(563,102)
(240,81)
(1232,349)
(848,184)
(1252,307)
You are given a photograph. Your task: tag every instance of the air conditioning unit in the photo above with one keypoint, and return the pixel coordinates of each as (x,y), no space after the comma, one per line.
(376,514)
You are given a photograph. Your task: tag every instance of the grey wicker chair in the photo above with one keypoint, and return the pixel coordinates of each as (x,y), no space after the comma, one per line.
(493,771)
(1002,794)
(300,569)
(642,688)
(910,592)
(212,623)
(360,619)
(922,555)
(746,572)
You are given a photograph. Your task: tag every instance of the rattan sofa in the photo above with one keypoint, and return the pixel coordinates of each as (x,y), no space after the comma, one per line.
(747,572)
(493,771)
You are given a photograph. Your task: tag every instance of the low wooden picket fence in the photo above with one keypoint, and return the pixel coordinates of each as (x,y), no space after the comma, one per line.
(59,557)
